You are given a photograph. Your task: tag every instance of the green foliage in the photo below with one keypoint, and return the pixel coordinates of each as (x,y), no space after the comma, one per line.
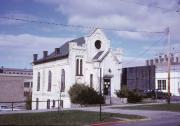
(134,97)
(82,94)
(123,93)
(156,94)
(29,102)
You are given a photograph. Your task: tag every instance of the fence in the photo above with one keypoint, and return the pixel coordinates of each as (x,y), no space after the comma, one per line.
(27,105)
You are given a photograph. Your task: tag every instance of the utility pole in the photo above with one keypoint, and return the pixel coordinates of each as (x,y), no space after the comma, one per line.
(100,91)
(169,65)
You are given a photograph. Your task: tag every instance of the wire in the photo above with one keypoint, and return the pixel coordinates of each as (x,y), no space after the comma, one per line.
(77,26)
(141,54)
(153,6)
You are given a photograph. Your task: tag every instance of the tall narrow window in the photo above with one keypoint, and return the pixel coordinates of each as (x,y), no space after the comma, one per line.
(37,103)
(77,67)
(159,84)
(49,80)
(61,103)
(48,104)
(81,67)
(164,84)
(91,80)
(62,80)
(38,82)
(54,104)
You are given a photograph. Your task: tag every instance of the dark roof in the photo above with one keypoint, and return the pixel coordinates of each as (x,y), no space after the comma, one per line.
(63,53)
(14,69)
(98,55)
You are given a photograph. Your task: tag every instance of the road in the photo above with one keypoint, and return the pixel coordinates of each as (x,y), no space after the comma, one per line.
(154,118)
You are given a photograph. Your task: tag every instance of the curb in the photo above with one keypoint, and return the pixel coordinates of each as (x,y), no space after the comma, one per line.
(121,120)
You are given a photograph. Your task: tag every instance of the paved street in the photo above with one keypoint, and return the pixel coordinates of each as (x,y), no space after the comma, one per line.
(154,118)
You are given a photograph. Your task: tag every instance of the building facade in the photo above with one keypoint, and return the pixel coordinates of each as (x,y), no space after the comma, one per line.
(15,84)
(161,81)
(139,78)
(76,61)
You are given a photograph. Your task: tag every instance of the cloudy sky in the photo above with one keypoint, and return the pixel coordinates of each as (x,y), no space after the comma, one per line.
(19,40)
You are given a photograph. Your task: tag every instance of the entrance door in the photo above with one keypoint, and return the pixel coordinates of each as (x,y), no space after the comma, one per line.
(107,87)
(48,104)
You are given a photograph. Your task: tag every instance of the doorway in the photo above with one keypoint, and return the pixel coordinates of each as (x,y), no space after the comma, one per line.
(107,86)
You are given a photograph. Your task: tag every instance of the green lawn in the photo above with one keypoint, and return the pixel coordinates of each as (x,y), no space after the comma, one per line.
(64,118)
(160,107)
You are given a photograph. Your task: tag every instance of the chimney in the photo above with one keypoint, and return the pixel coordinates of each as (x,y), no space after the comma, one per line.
(35,56)
(177,60)
(45,54)
(57,50)
(172,58)
(166,58)
(147,62)
(151,62)
(156,60)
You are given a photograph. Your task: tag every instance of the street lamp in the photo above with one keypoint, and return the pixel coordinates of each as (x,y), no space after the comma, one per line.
(100,92)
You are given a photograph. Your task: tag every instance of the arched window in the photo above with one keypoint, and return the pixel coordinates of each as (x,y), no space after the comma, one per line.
(77,67)
(49,80)
(38,81)
(62,80)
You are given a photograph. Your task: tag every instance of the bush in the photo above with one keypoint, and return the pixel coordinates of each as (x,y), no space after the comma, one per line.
(156,94)
(123,93)
(82,94)
(29,102)
(134,97)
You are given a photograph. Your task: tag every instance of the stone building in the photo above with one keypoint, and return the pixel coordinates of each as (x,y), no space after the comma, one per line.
(140,78)
(76,61)
(15,84)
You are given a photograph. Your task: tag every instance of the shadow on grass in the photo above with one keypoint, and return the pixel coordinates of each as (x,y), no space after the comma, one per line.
(64,118)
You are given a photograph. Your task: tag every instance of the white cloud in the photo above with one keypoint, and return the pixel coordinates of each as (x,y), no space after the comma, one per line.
(21,47)
(133,61)
(131,35)
(108,21)
(121,14)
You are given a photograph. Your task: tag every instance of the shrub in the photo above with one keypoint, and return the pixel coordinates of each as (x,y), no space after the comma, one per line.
(123,93)
(82,94)
(156,94)
(134,97)
(29,102)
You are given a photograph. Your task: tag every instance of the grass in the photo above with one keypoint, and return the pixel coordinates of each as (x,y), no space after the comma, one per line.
(156,107)
(64,118)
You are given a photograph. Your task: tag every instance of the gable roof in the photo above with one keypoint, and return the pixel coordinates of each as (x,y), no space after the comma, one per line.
(63,52)
(99,57)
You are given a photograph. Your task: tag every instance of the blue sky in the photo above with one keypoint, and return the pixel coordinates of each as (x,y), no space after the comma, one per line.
(19,40)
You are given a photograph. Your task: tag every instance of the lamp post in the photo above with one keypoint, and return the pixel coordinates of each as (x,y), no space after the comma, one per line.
(100,91)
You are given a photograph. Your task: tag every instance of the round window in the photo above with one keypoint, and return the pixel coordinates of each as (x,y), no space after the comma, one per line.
(98,44)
